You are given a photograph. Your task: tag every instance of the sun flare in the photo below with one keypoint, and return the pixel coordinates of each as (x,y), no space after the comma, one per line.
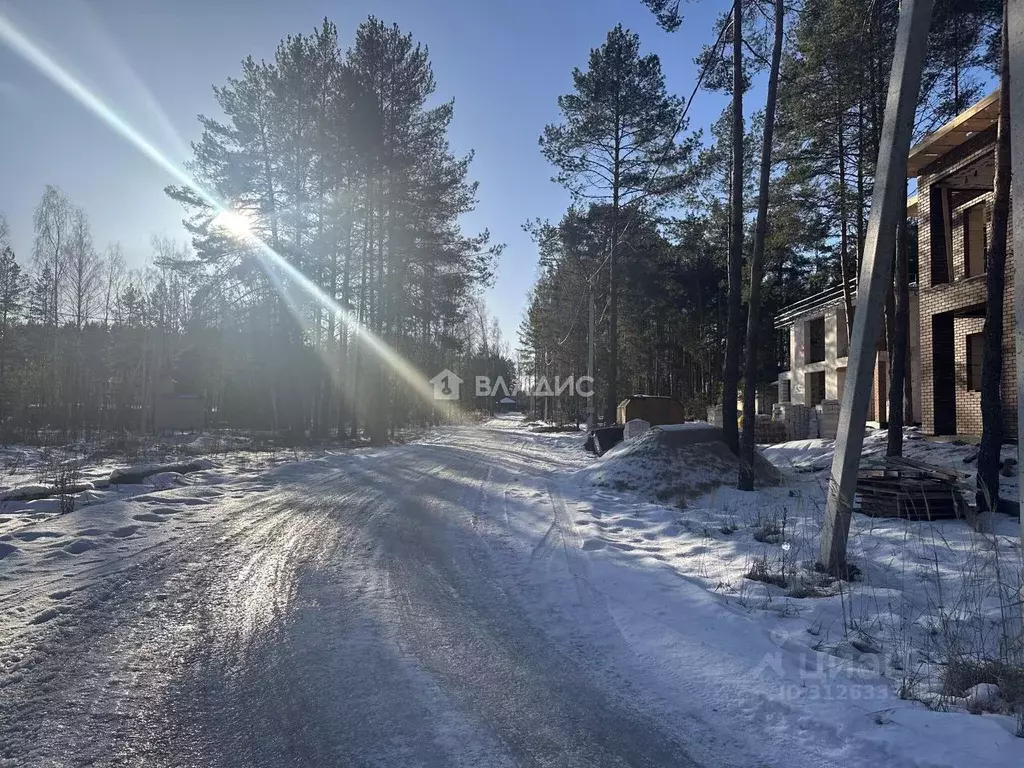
(239,224)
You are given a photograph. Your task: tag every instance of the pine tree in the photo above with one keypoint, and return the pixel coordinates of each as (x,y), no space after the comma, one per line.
(12,286)
(39,309)
(751,377)
(995,279)
(339,164)
(618,132)
(734,328)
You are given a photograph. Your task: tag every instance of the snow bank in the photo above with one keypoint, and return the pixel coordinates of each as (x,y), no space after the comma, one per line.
(140,472)
(677,463)
(815,456)
(33,491)
(217,443)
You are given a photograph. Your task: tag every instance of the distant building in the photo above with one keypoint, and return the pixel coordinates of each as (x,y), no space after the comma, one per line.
(819,349)
(955,171)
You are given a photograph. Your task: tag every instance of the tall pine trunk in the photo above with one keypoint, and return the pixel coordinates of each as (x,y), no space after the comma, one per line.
(844,239)
(898,340)
(611,409)
(734,323)
(992,362)
(746,478)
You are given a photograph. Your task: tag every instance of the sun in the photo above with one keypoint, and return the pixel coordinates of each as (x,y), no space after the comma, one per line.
(238,223)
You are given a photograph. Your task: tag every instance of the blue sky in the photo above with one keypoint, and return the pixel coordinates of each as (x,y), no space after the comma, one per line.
(504,63)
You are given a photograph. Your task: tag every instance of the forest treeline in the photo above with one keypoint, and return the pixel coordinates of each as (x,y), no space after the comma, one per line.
(670,226)
(341,237)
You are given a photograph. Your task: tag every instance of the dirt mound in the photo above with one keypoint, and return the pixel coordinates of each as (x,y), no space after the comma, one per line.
(677,462)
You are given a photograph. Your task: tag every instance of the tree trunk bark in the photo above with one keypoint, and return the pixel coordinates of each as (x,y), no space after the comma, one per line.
(750,372)
(734,323)
(898,342)
(992,363)
(844,238)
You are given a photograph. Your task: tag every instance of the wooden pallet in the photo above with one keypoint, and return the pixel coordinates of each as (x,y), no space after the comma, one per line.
(912,490)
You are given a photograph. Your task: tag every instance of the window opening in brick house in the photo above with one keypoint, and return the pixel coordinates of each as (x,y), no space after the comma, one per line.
(938,239)
(816,340)
(975,357)
(975,240)
(783,353)
(785,391)
(815,383)
(843,332)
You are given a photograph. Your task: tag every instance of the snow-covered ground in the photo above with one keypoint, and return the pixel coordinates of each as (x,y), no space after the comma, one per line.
(477,597)
(933,601)
(32,477)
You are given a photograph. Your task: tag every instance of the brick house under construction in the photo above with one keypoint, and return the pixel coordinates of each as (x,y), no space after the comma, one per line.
(817,346)
(955,169)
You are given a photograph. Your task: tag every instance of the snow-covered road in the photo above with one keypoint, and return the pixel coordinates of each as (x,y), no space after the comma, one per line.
(465,600)
(389,609)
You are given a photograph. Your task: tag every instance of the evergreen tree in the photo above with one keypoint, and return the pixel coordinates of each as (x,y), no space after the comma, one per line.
(734,334)
(339,164)
(995,280)
(751,368)
(12,286)
(39,309)
(617,145)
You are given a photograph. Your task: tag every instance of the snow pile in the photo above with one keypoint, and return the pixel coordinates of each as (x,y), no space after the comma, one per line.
(676,462)
(139,472)
(816,456)
(33,491)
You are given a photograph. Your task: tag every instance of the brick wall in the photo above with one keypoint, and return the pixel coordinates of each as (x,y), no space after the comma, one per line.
(959,249)
(958,295)
(968,403)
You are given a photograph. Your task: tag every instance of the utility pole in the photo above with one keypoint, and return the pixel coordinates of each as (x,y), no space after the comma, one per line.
(591,414)
(1015,37)
(876,275)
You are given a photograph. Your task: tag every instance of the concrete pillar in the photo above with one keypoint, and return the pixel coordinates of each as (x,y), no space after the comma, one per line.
(1015,38)
(876,274)
(831,355)
(798,344)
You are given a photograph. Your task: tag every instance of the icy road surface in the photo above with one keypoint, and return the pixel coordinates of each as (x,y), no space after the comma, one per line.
(465,600)
(391,609)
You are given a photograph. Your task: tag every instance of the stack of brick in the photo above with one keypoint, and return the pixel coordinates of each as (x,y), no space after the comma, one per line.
(715,415)
(795,417)
(768,432)
(828,418)
(813,428)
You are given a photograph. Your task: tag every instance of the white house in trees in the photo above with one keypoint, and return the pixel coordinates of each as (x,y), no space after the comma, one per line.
(815,329)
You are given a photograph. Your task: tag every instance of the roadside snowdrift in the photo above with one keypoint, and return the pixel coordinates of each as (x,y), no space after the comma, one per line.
(677,462)
(811,456)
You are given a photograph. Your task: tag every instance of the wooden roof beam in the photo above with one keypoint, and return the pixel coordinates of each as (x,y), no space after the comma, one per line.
(977,118)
